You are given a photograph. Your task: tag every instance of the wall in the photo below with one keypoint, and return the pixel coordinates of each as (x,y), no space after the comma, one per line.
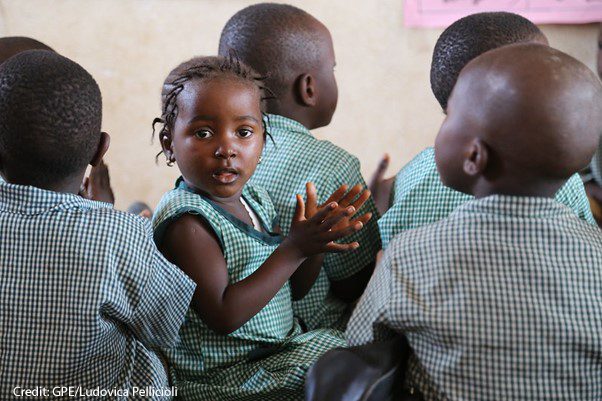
(129,46)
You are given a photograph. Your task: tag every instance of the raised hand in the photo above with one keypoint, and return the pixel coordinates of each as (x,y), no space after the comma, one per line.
(98,185)
(317,234)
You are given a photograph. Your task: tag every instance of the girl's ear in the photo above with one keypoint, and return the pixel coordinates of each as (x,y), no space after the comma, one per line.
(305,88)
(103,146)
(478,157)
(167,146)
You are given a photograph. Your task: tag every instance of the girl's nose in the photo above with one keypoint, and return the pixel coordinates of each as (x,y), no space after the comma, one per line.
(225,152)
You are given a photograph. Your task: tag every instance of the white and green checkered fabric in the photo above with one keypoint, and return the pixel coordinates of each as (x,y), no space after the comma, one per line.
(420,198)
(267,357)
(287,165)
(85,296)
(502,300)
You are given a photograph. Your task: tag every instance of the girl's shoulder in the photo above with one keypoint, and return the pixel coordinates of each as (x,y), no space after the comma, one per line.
(178,202)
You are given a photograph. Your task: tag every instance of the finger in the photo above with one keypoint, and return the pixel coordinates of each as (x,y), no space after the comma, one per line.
(359,202)
(362,219)
(350,196)
(337,216)
(343,232)
(379,173)
(311,206)
(323,212)
(299,209)
(336,195)
(333,247)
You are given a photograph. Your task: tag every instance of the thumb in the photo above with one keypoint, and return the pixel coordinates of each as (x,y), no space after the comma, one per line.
(299,209)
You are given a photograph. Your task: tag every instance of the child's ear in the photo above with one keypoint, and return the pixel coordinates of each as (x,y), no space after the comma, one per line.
(167,147)
(103,146)
(306,90)
(478,157)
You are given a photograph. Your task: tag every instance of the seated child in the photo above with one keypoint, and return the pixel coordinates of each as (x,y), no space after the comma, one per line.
(501,299)
(295,52)
(240,340)
(419,197)
(141,209)
(86,296)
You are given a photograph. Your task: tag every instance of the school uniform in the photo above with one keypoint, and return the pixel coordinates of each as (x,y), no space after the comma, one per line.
(292,159)
(420,198)
(85,296)
(502,300)
(267,357)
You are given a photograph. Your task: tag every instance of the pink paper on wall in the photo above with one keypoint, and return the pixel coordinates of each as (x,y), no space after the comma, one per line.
(441,13)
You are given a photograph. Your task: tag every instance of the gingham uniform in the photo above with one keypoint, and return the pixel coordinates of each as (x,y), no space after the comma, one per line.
(267,357)
(85,296)
(296,158)
(419,198)
(500,301)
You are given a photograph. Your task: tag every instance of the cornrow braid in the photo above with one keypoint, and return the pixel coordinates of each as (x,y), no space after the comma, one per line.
(204,68)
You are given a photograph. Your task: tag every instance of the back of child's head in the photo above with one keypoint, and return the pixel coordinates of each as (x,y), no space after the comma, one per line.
(277,40)
(294,52)
(50,118)
(202,69)
(470,37)
(12,45)
(521,118)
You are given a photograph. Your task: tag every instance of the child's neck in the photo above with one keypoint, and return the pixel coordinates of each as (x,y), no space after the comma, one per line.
(68,185)
(539,189)
(293,111)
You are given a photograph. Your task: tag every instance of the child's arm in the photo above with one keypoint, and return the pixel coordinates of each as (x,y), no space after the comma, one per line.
(305,276)
(225,306)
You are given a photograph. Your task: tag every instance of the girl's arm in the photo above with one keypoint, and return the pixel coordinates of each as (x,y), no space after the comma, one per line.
(223,306)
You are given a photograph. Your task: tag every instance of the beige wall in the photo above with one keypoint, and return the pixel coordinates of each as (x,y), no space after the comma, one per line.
(129,46)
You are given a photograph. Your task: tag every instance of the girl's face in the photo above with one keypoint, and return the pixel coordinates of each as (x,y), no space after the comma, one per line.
(217,137)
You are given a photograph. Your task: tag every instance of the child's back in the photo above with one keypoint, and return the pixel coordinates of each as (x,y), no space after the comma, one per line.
(501,300)
(85,294)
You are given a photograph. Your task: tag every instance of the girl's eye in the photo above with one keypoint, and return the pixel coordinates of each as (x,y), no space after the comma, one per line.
(245,133)
(203,133)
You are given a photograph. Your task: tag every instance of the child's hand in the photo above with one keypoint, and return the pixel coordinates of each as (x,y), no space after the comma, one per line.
(355,197)
(316,235)
(381,186)
(98,185)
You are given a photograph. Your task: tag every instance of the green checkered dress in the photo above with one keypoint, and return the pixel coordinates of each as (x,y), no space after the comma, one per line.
(419,198)
(265,359)
(502,300)
(287,165)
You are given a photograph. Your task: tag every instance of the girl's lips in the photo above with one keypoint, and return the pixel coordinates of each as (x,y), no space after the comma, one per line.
(225,176)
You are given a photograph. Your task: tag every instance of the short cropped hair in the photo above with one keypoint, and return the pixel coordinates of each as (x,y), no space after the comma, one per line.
(468,38)
(50,115)
(276,40)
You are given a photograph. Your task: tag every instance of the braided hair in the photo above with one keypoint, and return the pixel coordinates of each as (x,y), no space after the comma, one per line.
(204,68)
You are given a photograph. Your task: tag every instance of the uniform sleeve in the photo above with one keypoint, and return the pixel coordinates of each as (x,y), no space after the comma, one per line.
(164,301)
(572,194)
(367,323)
(342,265)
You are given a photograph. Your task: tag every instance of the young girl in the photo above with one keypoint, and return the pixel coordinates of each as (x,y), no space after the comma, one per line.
(240,339)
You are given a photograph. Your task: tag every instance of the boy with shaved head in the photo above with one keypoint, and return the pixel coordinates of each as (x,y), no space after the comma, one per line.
(295,53)
(419,197)
(501,300)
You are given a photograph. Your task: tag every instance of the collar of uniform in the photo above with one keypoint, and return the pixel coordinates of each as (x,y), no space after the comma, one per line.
(516,206)
(31,200)
(276,122)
